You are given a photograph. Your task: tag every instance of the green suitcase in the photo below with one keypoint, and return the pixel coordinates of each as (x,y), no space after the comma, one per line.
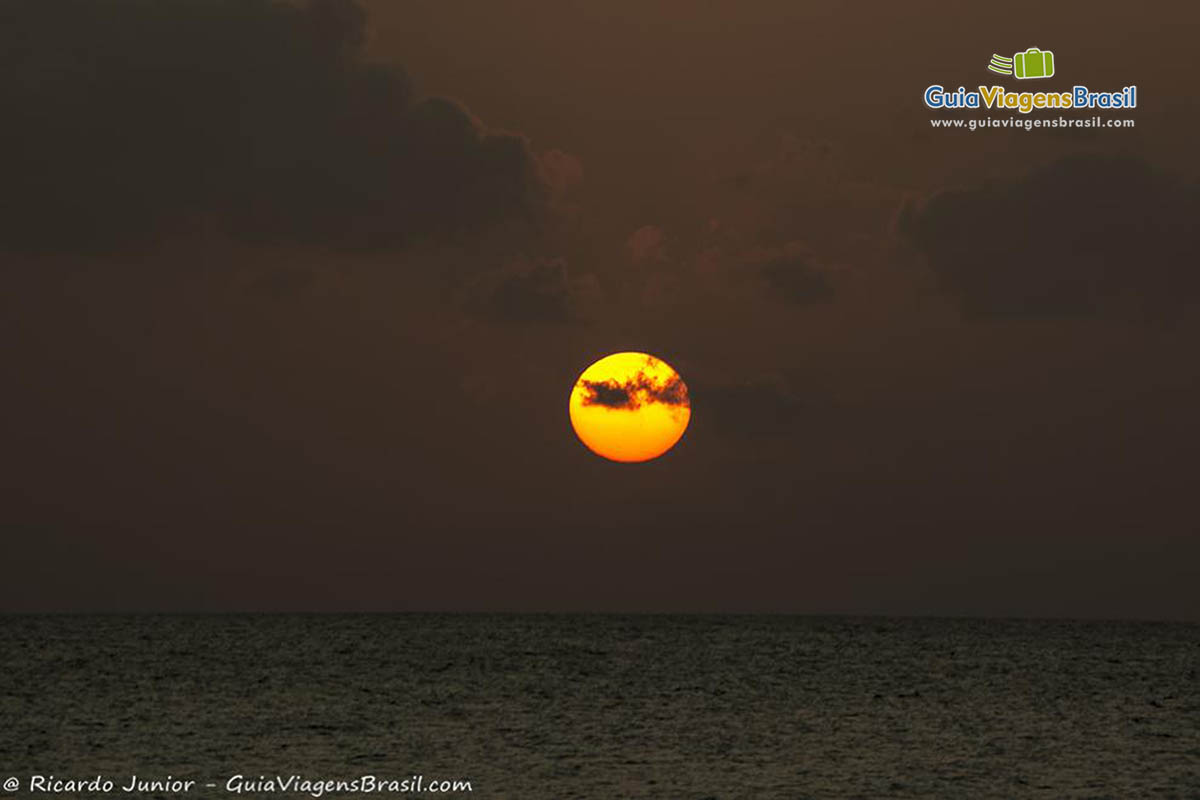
(1034,63)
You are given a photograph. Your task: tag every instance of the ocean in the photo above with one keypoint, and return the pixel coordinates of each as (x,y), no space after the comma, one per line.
(597,706)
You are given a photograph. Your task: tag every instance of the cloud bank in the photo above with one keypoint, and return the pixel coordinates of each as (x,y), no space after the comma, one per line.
(1084,235)
(128,120)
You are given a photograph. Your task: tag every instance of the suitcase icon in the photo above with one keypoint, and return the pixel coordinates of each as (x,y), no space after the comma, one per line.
(1033,63)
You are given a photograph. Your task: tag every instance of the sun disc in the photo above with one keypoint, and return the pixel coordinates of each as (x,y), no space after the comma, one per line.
(629,407)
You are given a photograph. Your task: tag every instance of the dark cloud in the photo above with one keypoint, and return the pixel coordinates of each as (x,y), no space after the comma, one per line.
(789,272)
(797,279)
(538,292)
(753,408)
(129,119)
(637,391)
(609,394)
(1083,235)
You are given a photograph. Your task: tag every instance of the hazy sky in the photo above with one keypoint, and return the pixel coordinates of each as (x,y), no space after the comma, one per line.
(296,294)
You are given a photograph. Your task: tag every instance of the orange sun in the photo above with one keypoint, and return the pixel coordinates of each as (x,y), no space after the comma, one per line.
(630,407)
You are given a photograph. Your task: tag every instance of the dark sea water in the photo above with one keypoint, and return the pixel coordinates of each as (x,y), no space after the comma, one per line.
(608,706)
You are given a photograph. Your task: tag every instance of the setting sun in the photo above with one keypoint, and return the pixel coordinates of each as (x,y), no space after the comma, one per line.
(630,407)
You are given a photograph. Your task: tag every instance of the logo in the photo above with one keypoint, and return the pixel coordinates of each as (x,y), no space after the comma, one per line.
(1026,65)
(1033,63)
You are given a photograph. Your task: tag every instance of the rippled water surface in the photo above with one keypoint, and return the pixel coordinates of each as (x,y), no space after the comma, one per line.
(611,706)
